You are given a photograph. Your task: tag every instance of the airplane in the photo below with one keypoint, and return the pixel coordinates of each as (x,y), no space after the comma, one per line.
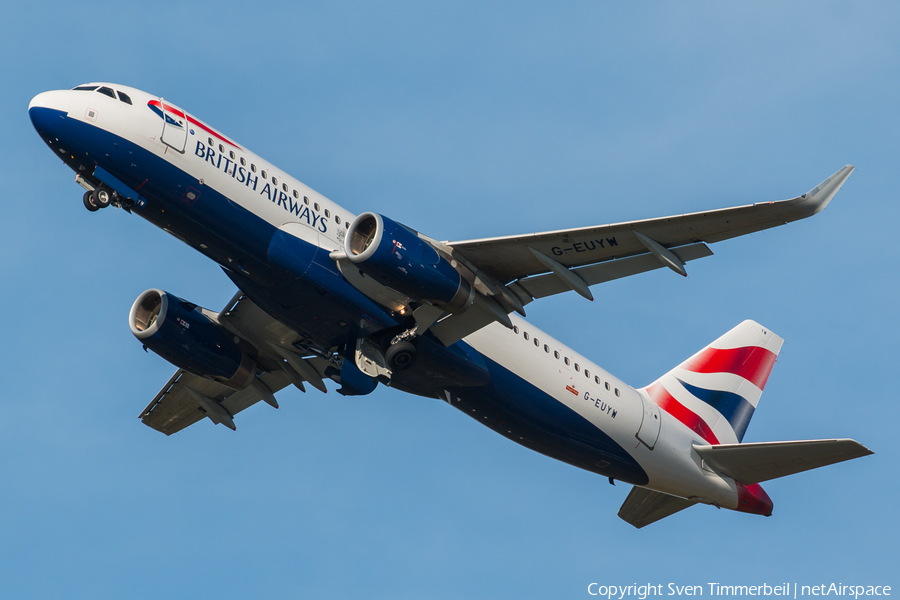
(362,300)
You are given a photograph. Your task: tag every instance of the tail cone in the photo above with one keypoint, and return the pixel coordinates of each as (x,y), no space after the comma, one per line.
(753,499)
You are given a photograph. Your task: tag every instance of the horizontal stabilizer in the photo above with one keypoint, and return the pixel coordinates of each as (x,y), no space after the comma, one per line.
(643,506)
(753,463)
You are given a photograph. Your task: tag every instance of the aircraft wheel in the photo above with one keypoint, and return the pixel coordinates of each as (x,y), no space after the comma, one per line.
(401,356)
(89,202)
(102,197)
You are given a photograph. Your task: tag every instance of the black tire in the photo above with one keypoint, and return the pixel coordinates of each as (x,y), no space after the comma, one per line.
(89,202)
(400,356)
(102,197)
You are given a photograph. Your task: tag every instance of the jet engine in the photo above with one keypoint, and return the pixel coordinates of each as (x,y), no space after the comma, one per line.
(181,333)
(395,256)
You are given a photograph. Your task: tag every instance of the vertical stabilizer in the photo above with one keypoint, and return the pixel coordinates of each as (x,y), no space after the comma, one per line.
(716,391)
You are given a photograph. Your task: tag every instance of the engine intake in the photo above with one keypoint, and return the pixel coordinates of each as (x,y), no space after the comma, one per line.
(395,256)
(178,331)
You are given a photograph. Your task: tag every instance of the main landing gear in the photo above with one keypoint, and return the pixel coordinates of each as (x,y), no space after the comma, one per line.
(99,197)
(401,355)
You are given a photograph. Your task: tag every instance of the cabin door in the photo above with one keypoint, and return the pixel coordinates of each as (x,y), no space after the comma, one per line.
(648,432)
(175,126)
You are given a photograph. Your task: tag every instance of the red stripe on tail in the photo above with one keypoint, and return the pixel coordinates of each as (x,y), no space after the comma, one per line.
(752,363)
(665,401)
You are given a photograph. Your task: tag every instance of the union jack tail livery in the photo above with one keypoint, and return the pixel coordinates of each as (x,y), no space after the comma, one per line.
(715,392)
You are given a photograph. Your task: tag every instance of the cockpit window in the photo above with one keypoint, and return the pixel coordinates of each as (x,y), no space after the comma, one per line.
(124,97)
(107,92)
(84,88)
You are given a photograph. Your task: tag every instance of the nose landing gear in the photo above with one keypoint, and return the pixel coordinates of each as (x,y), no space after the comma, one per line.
(89,202)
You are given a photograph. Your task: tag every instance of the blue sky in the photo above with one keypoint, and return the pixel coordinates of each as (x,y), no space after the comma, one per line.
(462,120)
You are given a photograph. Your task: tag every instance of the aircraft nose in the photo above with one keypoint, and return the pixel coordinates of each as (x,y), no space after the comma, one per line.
(47,110)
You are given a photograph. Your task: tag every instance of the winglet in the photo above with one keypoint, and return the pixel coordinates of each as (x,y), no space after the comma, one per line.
(818,198)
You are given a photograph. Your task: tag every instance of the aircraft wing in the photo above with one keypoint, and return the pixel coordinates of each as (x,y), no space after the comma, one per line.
(546,263)
(187,398)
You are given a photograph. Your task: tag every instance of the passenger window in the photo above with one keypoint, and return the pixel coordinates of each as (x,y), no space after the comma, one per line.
(296,194)
(556,354)
(316,205)
(536,342)
(597,379)
(587,373)
(566,360)
(253,167)
(107,92)
(274,181)
(515,330)
(221,149)
(577,368)
(337,219)
(617,391)
(327,213)
(526,335)
(124,98)
(243,162)
(284,187)
(607,386)
(231,154)
(546,348)
(263,174)
(210,144)
(305,200)
(347,224)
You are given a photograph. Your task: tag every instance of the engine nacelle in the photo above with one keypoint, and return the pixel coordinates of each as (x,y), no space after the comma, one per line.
(395,256)
(178,331)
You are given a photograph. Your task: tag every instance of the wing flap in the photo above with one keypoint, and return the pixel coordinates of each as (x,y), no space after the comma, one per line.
(755,463)
(643,507)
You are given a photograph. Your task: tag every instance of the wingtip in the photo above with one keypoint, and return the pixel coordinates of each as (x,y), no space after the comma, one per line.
(819,197)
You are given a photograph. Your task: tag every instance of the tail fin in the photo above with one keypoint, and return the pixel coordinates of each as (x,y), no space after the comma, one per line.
(716,391)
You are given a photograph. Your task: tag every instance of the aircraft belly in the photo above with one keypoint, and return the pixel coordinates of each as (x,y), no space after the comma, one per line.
(531,417)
